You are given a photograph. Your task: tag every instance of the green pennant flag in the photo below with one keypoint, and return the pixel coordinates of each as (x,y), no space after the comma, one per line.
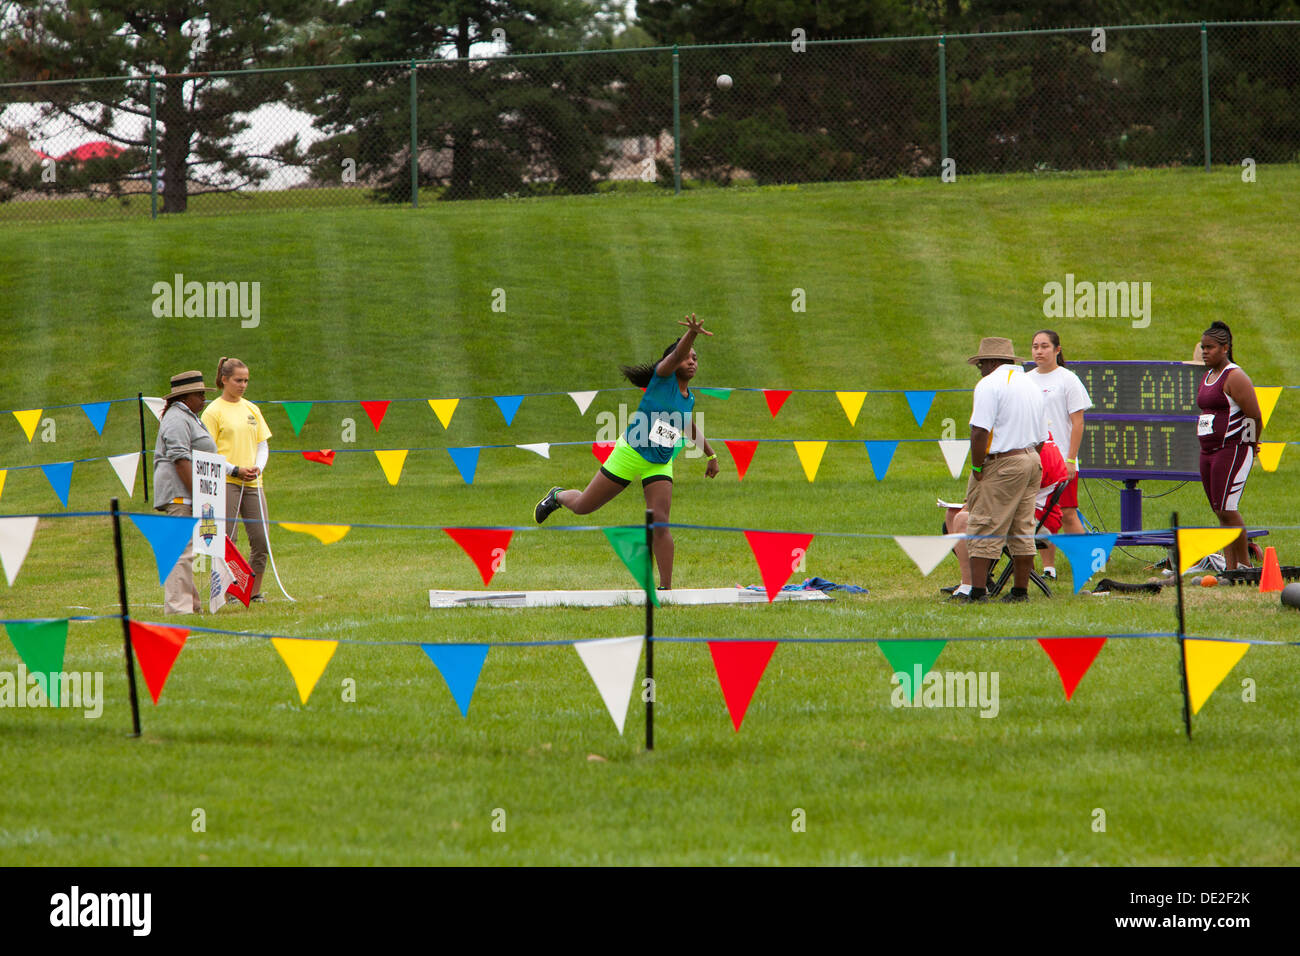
(905,657)
(297,412)
(40,644)
(722,393)
(629,544)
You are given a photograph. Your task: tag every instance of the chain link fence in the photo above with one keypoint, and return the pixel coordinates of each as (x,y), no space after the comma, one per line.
(541,124)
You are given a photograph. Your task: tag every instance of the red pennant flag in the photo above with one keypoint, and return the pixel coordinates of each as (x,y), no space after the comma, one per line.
(602,450)
(242,586)
(1072,657)
(740,666)
(486,547)
(376,411)
(775,399)
(156,647)
(325,456)
(743,453)
(778,553)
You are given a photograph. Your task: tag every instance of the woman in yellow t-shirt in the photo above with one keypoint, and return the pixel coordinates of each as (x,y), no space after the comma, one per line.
(241,434)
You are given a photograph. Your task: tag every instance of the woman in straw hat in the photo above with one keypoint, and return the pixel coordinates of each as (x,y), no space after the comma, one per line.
(180,435)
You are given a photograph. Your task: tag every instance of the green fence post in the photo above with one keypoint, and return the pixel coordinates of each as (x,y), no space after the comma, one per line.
(415,153)
(677,126)
(1205,92)
(943,101)
(153,147)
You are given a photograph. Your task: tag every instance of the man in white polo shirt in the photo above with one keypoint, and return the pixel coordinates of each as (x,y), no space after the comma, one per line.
(1007,427)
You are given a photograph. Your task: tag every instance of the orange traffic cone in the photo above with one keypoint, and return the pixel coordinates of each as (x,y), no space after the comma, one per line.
(1270,579)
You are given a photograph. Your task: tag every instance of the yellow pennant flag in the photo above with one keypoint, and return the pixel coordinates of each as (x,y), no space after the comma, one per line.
(3,473)
(851,402)
(1196,543)
(1270,453)
(306,660)
(1268,397)
(1208,663)
(326,533)
(444,408)
(29,420)
(810,456)
(391,461)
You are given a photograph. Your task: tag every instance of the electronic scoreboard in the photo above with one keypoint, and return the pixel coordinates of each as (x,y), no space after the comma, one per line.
(1143,420)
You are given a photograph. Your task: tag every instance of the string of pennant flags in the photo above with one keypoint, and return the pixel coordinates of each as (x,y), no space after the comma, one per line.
(919,401)
(612,663)
(777,553)
(392,461)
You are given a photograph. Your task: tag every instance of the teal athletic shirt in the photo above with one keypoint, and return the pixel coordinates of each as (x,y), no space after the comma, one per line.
(657,427)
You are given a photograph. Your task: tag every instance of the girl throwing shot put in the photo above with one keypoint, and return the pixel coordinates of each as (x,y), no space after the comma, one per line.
(655,433)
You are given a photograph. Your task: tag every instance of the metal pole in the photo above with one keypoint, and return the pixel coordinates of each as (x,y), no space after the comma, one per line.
(139,397)
(153,156)
(415,152)
(1205,92)
(1182,647)
(943,101)
(677,125)
(126,624)
(649,634)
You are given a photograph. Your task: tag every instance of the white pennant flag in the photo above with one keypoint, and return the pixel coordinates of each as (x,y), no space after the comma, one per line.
(954,453)
(15,539)
(927,550)
(126,466)
(583,399)
(612,665)
(542,448)
(155,405)
(220,578)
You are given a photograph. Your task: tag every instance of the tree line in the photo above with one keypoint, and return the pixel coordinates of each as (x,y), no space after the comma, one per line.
(510,125)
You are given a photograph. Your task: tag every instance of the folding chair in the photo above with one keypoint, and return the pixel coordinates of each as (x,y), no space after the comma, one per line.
(1009,568)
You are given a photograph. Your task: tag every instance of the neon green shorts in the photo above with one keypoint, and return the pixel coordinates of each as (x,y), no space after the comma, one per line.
(625,464)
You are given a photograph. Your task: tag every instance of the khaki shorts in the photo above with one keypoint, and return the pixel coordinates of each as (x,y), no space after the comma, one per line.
(1001,504)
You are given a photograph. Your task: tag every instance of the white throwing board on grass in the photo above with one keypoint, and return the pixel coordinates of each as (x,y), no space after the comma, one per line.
(611,598)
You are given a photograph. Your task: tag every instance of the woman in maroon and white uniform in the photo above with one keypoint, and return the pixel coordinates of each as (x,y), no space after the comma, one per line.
(1229,429)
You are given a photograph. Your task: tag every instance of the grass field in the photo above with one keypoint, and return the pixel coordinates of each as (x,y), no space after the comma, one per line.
(901,280)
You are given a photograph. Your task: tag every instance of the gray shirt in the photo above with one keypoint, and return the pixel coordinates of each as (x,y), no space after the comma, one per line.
(180,434)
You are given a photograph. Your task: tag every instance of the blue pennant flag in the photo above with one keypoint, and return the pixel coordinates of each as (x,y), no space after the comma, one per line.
(466,460)
(60,478)
(881,454)
(167,535)
(509,404)
(459,665)
(96,412)
(920,403)
(1087,554)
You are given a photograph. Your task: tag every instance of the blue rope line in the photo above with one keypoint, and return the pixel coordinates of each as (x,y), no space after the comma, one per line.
(655,524)
(47,620)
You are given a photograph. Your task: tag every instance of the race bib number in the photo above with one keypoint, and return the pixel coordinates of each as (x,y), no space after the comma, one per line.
(1205,426)
(664,435)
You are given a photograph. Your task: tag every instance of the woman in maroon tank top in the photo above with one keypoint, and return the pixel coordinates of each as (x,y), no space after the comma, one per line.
(1229,429)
